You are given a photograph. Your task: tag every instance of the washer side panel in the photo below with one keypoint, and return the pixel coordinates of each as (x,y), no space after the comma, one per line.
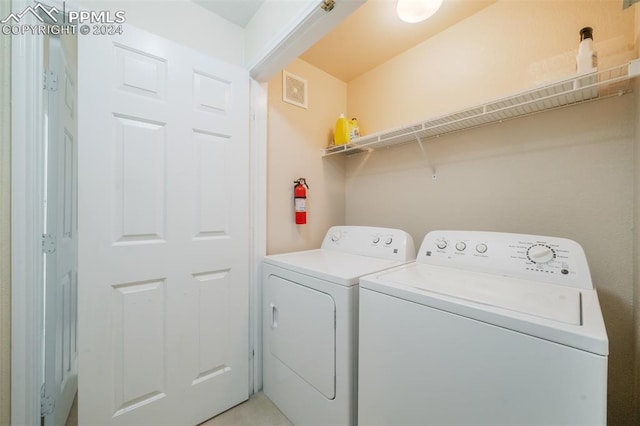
(420,365)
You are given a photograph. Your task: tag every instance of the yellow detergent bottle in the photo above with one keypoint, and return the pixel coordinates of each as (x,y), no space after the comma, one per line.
(342,130)
(355,129)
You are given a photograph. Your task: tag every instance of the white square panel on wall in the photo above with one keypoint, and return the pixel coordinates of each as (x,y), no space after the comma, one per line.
(294,89)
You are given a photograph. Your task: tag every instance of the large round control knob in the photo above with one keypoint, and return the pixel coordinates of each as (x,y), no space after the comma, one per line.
(540,254)
(335,236)
(376,239)
(388,240)
(442,244)
(460,246)
(481,248)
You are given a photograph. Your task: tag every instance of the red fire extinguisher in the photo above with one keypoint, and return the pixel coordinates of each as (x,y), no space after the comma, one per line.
(300,200)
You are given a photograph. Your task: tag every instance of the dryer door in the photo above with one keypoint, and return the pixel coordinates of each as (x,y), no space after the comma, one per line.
(301,331)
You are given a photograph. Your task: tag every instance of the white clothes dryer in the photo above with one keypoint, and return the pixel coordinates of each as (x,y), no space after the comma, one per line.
(483,329)
(310,321)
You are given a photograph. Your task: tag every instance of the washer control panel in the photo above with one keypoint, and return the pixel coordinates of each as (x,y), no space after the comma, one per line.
(538,258)
(386,243)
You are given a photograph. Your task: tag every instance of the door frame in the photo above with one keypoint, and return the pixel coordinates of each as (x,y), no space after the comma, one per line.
(258,223)
(27,156)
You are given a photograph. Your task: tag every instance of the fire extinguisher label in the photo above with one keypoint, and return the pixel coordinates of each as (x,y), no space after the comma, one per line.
(300,205)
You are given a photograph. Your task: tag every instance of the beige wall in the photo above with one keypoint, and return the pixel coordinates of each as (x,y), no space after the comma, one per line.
(567,173)
(296,137)
(5,225)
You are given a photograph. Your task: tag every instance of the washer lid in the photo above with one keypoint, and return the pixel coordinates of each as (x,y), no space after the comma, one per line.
(334,266)
(561,314)
(554,302)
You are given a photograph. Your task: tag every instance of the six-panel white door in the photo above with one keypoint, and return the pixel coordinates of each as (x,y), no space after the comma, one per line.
(163,232)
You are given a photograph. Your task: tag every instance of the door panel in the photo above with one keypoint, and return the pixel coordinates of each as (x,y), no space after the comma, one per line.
(213,317)
(164,247)
(139,342)
(211,152)
(60,375)
(140,173)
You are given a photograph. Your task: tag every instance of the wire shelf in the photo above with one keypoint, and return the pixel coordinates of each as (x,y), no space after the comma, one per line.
(576,90)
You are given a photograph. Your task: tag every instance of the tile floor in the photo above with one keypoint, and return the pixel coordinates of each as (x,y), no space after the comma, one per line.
(257,411)
(72,420)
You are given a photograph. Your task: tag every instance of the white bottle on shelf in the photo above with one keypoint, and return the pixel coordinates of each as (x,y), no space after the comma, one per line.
(587,59)
(586,64)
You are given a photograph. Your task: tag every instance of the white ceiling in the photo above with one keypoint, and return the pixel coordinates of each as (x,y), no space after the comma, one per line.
(239,12)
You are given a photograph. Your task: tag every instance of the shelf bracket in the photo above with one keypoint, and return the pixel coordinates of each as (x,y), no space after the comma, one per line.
(425,157)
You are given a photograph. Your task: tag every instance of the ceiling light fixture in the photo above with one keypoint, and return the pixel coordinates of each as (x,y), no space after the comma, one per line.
(413,11)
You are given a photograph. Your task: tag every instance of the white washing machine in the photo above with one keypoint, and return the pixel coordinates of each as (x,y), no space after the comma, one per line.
(310,321)
(483,329)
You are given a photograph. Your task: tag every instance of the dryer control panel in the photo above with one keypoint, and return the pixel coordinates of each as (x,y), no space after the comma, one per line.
(537,258)
(385,243)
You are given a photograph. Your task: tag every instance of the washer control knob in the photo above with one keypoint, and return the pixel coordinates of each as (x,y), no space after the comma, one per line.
(442,244)
(376,239)
(540,253)
(335,236)
(388,240)
(481,248)
(460,246)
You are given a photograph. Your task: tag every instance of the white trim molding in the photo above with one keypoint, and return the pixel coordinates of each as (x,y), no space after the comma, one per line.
(26,224)
(259,94)
(5,223)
